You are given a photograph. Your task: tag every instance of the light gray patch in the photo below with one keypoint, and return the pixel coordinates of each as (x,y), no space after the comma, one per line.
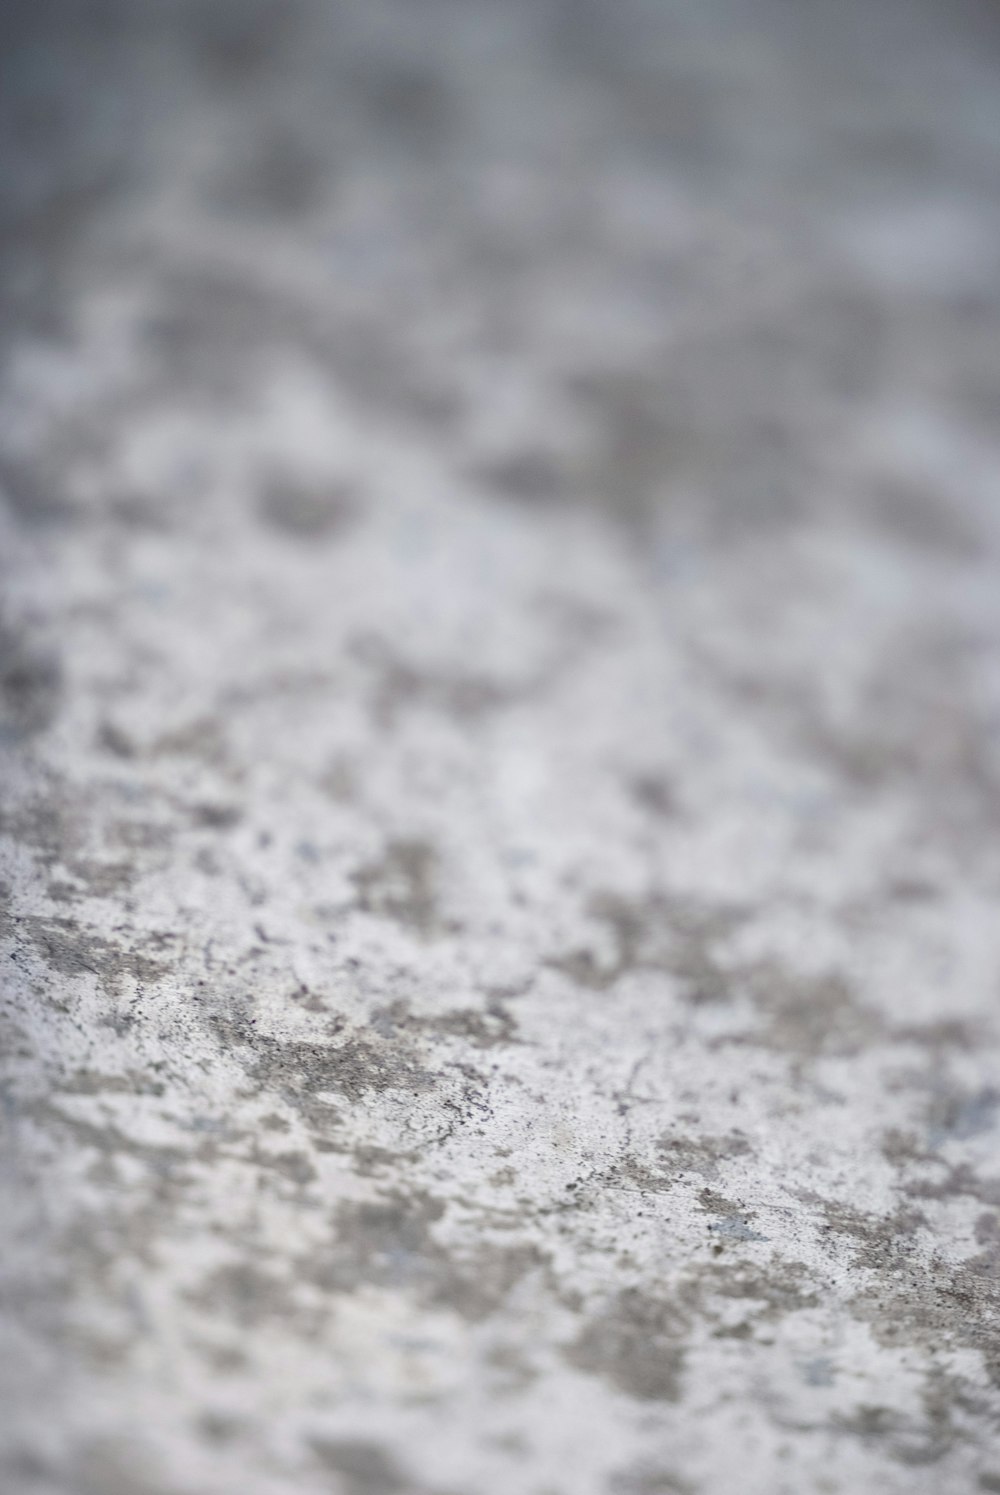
(957,1114)
(736,1229)
(819,1371)
(637,1342)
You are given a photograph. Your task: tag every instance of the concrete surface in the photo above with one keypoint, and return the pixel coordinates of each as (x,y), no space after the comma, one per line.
(500,674)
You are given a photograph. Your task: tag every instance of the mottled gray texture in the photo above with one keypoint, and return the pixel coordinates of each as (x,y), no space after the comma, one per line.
(499,704)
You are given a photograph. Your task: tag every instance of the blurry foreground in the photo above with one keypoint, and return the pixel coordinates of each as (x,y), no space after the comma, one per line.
(499,702)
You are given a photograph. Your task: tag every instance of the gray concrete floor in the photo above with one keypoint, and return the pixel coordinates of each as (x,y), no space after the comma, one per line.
(499,702)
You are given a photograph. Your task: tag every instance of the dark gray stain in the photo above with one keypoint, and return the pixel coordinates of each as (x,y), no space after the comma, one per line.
(105,1466)
(810,1016)
(648,1479)
(400,885)
(362,1468)
(771,1290)
(74,949)
(654,794)
(411,104)
(701,1153)
(235,43)
(33,492)
(215,816)
(390,1242)
(528,477)
(277,173)
(306,510)
(398,685)
(300,1071)
(30,684)
(248,1295)
(202,738)
(680,937)
(489,1027)
(637,1342)
(925,518)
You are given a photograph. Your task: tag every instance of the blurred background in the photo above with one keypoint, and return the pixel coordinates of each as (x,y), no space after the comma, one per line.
(499,701)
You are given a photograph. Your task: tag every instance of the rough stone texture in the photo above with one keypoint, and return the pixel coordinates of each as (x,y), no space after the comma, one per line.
(499,695)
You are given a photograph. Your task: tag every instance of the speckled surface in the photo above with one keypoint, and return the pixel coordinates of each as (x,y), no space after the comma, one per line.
(499,701)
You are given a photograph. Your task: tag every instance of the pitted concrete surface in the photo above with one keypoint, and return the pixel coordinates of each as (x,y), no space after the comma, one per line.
(500,681)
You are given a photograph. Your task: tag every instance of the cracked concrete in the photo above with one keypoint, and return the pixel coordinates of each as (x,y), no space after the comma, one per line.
(499,699)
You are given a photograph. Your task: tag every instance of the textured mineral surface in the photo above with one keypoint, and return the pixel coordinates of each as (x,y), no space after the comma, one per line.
(500,742)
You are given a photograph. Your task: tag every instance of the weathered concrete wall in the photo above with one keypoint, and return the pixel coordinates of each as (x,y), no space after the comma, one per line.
(500,675)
